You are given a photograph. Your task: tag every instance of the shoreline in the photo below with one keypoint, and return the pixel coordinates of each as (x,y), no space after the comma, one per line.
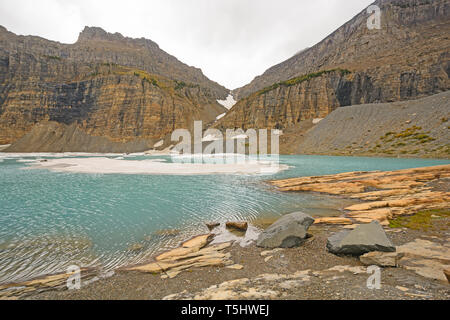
(374,155)
(235,262)
(281,272)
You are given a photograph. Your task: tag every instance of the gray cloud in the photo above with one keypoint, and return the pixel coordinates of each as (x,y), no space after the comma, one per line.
(232,41)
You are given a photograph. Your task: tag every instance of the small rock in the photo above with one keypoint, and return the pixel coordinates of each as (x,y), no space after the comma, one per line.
(402,288)
(287,232)
(447,274)
(381,259)
(269,252)
(212,225)
(365,238)
(235,267)
(240,226)
(136,247)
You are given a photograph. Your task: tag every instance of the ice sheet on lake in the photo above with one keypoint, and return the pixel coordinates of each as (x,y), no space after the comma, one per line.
(114,166)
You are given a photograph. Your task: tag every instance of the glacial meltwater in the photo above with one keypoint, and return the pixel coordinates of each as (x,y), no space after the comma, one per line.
(50,220)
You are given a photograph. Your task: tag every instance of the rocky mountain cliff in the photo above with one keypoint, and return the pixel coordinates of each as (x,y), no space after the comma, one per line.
(416,128)
(107,85)
(408,58)
(412,45)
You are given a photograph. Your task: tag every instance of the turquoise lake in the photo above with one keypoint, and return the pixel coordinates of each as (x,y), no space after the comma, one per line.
(49,220)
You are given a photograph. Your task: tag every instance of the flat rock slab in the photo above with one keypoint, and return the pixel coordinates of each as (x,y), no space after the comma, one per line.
(268,286)
(198,241)
(287,232)
(390,193)
(14,291)
(381,259)
(333,220)
(365,238)
(177,260)
(426,258)
(447,274)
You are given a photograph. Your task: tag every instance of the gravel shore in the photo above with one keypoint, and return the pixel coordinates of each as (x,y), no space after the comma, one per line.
(397,283)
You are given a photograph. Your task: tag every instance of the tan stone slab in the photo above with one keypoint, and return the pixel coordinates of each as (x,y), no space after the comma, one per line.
(368,206)
(333,220)
(235,267)
(198,241)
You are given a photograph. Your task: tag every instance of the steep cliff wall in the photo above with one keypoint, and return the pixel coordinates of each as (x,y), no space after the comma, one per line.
(42,80)
(311,96)
(410,53)
(408,58)
(49,136)
(96,46)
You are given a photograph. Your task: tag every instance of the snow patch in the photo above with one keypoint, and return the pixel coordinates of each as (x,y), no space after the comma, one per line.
(114,166)
(316,121)
(158,144)
(229,102)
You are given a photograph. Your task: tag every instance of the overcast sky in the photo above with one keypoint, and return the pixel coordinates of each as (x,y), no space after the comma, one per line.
(232,41)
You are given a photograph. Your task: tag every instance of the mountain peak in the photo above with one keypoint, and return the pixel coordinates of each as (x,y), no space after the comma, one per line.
(97,33)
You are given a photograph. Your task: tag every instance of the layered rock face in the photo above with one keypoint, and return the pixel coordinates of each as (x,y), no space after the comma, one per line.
(410,50)
(407,58)
(290,102)
(107,85)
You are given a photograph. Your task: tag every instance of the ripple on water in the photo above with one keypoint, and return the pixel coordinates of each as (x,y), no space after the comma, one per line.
(50,220)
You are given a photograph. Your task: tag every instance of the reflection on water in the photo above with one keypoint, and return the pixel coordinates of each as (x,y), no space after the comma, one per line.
(51,220)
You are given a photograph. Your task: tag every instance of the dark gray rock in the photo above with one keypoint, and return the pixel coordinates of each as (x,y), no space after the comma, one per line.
(287,232)
(364,238)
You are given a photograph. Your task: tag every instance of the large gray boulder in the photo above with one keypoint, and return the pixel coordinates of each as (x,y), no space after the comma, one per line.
(364,238)
(287,232)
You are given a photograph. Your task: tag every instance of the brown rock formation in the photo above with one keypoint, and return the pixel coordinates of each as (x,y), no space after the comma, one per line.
(192,254)
(386,194)
(109,86)
(407,58)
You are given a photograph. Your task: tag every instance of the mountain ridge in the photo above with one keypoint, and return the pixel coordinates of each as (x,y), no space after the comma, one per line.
(88,41)
(324,55)
(408,58)
(119,88)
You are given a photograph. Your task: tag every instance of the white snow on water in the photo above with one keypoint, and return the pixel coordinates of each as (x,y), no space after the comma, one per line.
(229,102)
(114,166)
